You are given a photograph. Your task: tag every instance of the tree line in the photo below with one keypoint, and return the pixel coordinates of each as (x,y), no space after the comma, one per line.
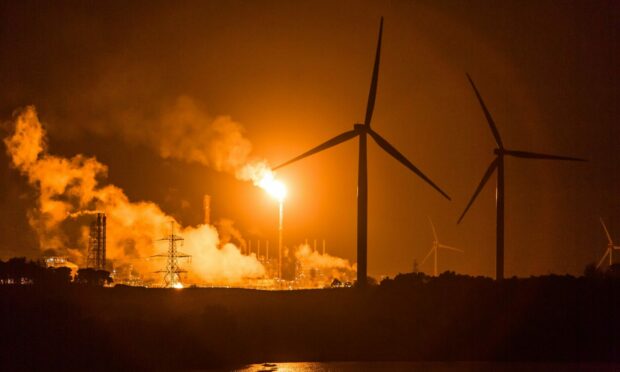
(19,271)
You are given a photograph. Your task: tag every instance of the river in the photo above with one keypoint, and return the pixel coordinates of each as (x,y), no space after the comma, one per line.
(426,367)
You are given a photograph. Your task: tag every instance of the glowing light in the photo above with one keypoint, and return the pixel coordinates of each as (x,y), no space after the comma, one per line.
(262,176)
(178,285)
(275,188)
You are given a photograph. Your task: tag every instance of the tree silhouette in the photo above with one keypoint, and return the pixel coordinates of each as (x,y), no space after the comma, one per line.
(59,275)
(591,272)
(93,278)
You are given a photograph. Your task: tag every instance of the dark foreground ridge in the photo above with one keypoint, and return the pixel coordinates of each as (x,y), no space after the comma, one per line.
(409,318)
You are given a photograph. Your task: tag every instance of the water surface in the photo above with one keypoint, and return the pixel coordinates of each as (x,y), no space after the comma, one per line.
(426,366)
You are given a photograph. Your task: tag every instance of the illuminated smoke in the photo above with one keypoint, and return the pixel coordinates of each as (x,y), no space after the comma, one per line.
(63,185)
(323,266)
(68,187)
(186,132)
(83,213)
(229,233)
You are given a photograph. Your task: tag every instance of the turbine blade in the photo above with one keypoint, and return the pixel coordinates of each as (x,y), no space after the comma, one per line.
(433,227)
(385,145)
(375,79)
(606,231)
(484,180)
(427,256)
(498,139)
(602,259)
(534,155)
(451,248)
(324,146)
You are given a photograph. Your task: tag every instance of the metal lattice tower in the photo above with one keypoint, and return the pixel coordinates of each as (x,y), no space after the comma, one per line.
(96,257)
(172,271)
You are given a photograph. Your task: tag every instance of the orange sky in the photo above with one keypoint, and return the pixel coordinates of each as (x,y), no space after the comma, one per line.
(297,73)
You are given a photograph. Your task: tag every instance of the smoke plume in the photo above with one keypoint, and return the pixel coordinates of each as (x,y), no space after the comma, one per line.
(68,186)
(318,266)
(185,131)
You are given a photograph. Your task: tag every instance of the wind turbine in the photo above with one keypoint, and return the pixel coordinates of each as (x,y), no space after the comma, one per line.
(361,130)
(435,248)
(610,247)
(498,163)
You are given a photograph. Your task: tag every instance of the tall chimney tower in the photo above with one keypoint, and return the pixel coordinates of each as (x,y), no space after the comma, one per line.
(206,205)
(96,257)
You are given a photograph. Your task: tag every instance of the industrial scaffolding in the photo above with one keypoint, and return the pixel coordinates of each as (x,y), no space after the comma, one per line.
(96,256)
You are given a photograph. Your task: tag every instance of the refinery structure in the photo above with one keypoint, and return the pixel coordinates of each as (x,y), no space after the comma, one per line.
(129,250)
(305,266)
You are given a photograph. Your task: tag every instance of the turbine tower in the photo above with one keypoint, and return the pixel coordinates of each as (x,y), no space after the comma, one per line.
(435,248)
(610,247)
(498,163)
(361,131)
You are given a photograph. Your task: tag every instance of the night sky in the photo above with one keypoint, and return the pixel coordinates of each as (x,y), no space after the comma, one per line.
(296,73)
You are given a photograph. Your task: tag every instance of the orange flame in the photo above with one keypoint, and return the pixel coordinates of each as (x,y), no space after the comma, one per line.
(262,176)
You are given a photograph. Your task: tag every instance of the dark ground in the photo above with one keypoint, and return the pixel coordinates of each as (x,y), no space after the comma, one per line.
(411,318)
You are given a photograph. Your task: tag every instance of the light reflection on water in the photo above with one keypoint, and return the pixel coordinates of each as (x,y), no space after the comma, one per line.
(425,367)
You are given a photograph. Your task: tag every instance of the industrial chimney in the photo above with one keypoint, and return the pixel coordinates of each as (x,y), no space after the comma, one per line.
(96,257)
(206,204)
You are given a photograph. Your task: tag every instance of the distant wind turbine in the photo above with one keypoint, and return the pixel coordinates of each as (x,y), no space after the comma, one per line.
(435,249)
(610,247)
(361,130)
(498,163)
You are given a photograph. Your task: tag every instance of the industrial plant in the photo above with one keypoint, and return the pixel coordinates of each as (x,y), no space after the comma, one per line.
(123,236)
(304,267)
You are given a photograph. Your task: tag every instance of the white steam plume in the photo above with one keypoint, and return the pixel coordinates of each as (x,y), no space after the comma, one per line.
(324,266)
(67,186)
(185,131)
